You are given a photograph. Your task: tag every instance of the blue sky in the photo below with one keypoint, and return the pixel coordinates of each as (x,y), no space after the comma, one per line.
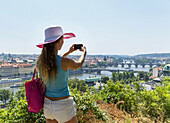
(121,27)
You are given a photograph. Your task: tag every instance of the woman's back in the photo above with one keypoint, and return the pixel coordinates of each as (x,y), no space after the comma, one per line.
(59,86)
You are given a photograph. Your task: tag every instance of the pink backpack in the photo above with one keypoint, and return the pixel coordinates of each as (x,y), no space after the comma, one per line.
(35,92)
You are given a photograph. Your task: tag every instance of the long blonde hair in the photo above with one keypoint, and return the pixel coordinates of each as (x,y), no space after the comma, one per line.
(46,63)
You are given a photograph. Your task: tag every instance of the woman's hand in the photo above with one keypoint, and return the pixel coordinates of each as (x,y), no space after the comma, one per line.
(83,49)
(72,49)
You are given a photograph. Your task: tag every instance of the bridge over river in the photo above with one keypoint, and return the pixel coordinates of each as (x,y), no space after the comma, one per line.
(98,70)
(137,64)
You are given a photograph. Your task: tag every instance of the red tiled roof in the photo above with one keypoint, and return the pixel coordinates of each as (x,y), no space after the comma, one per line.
(152,77)
(8,65)
(159,68)
(24,65)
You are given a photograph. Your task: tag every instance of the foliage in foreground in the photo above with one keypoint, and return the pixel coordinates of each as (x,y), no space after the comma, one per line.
(137,102)
(154,104)
(18,111)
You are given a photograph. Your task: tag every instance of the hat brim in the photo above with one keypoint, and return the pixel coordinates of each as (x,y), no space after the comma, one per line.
(65,35)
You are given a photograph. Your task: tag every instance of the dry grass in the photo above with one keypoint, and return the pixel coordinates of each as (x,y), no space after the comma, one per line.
(87,118)
(120,115)
(115,115)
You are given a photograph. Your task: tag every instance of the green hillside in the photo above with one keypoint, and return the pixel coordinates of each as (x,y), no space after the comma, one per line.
(154,55)
(114,102)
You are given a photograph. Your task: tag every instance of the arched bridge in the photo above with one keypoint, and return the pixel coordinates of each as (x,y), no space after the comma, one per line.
(98,70)
(137,64)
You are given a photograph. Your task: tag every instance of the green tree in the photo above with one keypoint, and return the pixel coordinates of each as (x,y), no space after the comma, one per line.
(104,58)
(114,76)
(93,66)
(128,81)
(86,66)
(119,76)
(132,75)
(104,64)
(141,75)
(76,83)
(149,74)
(21,93)
(127,75)
(146,78)
(124,75)
(118,71)
(150,69)
(163,65)
(104,79)
(5,95)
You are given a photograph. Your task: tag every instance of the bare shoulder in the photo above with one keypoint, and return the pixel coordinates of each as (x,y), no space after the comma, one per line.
(65,63)
(69,63)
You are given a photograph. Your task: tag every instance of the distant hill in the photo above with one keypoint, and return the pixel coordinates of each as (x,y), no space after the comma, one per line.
(154,55)
(117,56)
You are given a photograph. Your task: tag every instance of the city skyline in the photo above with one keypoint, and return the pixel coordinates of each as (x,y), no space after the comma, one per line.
(105,28)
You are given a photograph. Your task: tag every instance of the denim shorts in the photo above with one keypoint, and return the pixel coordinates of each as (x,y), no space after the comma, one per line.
(61,110)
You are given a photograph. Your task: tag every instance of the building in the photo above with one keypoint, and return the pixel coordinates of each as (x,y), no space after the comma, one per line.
(86,62)
(25,65)
(157,72)
(93,62)
(29,61)
(26,68)
(91,81)
(7,69)
(17,61)
(166,71)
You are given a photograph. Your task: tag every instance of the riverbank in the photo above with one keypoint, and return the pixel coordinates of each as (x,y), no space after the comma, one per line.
(78,76)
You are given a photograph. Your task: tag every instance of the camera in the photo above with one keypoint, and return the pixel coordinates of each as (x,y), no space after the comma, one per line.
(78,46)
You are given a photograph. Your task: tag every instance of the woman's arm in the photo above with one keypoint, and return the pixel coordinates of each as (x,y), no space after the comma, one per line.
(66,54)
(70,51)
(72,64)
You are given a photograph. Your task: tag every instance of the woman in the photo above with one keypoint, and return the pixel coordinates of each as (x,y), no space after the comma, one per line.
(59,106)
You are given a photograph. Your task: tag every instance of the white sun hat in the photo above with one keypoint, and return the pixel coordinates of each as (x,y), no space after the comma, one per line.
(53,33)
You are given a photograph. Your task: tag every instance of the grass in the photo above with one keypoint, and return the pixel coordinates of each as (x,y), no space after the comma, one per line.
(115,115)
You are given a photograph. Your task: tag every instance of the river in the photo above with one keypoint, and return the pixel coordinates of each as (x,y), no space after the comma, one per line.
(83,76)
(107,73)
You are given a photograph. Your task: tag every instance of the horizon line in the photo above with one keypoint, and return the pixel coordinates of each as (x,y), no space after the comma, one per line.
(92,54)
